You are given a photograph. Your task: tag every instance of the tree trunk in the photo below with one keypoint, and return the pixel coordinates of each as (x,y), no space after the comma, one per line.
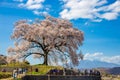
(45,59)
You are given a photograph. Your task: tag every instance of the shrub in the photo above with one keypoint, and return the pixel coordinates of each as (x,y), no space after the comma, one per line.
(5,75)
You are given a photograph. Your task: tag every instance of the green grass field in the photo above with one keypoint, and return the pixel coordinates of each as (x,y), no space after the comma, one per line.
(42,69)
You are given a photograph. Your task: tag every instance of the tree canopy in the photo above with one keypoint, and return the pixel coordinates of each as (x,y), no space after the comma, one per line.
(51,40)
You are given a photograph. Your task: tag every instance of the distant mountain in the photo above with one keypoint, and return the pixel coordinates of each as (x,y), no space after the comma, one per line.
(115,71)
(87,64)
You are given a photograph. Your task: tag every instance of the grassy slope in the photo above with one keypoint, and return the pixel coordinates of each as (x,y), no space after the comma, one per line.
(14,65)
(42,69)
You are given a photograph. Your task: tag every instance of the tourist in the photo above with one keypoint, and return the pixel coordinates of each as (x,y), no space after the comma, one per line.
(20,71)
(15,74)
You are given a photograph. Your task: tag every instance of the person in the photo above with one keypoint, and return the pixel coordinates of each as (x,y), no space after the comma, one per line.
(15,74)
(91,72)
(24,71)
(3,70)
(20,70)
(86,72)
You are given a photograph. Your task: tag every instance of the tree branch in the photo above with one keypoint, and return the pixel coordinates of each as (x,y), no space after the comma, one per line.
(25,56)
(31,40)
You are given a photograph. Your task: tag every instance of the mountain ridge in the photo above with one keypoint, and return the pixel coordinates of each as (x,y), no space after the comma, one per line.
(87,64)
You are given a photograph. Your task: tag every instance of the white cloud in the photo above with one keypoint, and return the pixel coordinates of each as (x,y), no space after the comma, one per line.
(36,6)
(96,10)
(40,13)
(36,12)
(110,15)
(32,4)
(18,0)
(94,56)
(101,57)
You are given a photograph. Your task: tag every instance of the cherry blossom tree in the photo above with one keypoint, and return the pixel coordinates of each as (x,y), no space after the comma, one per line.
(52,40)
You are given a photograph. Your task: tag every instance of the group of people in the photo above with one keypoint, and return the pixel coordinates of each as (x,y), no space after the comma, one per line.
(18,71)
(92,72)
(74,72)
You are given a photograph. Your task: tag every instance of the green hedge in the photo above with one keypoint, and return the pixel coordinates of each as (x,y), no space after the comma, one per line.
(5,75)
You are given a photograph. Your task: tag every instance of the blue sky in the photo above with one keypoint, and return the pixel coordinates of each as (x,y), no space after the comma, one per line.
(98,19)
